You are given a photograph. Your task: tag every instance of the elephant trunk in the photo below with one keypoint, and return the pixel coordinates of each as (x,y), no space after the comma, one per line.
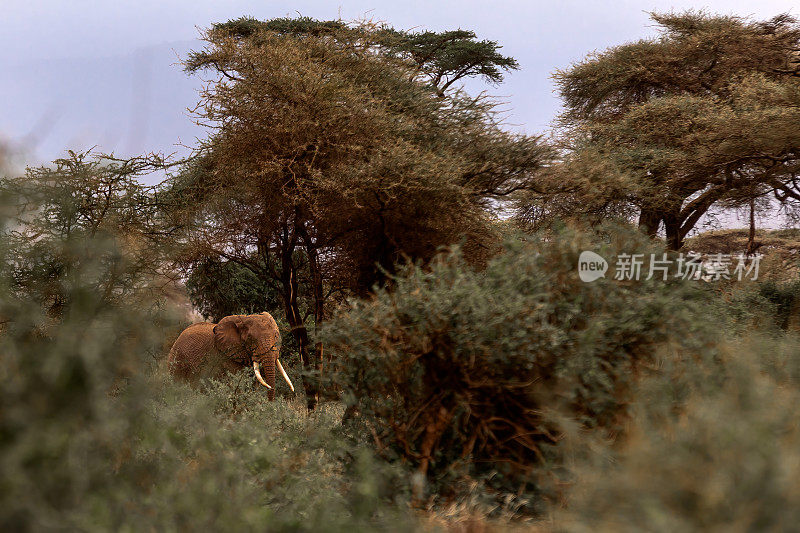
(268,380)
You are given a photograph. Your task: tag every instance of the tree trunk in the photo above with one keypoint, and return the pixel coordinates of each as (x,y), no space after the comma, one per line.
(433,432)
(674,235)
(317,291)
(751,238)
(300,334)
(296,323)
(649,221)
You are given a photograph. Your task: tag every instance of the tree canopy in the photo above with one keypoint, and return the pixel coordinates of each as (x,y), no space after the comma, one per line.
(221,288)
(705,114)
(444,57)
(84,207)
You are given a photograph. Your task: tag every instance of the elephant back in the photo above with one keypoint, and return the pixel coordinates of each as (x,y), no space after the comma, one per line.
(191,351)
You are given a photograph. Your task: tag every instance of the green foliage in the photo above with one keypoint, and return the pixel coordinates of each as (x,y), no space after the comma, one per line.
(248,27)
(80,195)
(449,56)
(783,297)
(478,373)
(768,305)
(729,462)
(57,424)
(230,460)
(445,57)
(57,216)
(221,288)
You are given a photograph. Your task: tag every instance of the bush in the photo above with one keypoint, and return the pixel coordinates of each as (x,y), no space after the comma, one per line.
(229,460)
(730,462)
(477,374)
(783,299)
(767,305)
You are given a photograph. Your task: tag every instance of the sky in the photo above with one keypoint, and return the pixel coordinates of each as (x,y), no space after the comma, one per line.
(77,74)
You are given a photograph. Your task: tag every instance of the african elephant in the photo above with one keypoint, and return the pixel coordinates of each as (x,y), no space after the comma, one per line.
(210,350)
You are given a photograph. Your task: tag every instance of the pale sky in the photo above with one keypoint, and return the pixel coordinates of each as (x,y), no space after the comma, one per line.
(84,73)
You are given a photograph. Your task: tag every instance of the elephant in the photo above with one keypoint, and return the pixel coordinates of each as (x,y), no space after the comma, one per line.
(210,350)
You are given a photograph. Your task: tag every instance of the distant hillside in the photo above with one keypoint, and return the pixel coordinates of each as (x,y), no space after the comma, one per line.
(779,247)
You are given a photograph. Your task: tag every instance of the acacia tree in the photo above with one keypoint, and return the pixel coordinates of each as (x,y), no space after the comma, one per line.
(62,213)
(334,154)
(706,114)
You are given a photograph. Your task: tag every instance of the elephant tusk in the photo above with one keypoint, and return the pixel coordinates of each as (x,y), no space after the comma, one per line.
(283,373)
(258,375)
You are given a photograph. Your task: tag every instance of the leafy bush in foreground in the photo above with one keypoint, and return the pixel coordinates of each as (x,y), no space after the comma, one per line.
(730,462)
(462,372)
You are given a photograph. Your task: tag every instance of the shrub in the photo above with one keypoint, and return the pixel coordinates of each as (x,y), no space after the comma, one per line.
(730,462)
(767,305)
(783,298)
(459,372)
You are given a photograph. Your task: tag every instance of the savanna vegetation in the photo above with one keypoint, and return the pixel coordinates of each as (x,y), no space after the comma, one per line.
(421,261)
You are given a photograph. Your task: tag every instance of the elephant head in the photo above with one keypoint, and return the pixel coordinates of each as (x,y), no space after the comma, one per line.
(256,339)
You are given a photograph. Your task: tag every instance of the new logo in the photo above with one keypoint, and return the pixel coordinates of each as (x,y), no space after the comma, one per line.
(591,266)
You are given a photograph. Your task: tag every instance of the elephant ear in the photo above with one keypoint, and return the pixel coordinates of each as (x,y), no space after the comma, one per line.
(228,336)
